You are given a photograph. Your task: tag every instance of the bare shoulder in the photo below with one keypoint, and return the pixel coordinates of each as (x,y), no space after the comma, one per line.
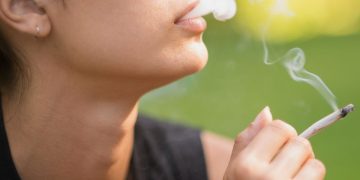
(217,151)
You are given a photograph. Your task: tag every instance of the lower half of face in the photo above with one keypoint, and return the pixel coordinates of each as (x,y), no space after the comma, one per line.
(130,39)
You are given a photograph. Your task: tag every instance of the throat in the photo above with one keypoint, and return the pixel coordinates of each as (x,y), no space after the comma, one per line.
(93,144)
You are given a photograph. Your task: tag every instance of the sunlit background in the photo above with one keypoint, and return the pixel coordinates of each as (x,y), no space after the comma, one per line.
(236,84)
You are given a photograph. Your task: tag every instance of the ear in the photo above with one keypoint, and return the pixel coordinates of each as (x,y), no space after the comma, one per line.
(25,16)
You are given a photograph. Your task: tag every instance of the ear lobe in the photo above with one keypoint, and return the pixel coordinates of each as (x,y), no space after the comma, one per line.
(25,16)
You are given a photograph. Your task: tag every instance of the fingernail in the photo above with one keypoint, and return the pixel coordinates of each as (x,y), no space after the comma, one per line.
(262,119)
(264,115)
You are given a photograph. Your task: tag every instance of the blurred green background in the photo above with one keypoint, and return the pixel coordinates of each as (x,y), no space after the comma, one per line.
(236,85)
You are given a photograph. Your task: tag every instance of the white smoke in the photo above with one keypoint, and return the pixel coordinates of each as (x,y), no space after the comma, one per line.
(221,9)
(294,60)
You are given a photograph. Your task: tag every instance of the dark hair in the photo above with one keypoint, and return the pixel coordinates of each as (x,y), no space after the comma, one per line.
(14,76)
(11,67)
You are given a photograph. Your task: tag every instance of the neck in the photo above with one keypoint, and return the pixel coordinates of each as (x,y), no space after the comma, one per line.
(60,132)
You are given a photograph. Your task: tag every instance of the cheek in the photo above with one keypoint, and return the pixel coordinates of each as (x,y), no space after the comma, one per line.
(131,42)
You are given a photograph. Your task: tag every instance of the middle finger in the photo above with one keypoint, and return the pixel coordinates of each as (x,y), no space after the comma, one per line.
(292,156)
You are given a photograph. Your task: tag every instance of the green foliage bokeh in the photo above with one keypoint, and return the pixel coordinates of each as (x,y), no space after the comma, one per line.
(236,85)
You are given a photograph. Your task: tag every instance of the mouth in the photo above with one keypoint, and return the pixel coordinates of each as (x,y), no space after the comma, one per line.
(192,5)
(195,24)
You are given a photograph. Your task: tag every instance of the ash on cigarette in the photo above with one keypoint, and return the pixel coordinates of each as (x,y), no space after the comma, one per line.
(346,110)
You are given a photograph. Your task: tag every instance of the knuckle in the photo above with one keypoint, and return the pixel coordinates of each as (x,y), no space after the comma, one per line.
(242,169)
(284,128)
(303,145)
(318,166)
(245,159)
(300,141)
(246,166)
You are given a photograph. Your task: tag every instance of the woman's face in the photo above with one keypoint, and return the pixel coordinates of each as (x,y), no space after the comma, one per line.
(136,39)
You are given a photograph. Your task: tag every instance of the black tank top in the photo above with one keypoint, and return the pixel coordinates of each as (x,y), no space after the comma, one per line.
(162,151)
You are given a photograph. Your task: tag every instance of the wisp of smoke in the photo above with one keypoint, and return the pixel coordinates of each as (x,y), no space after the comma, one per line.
(294,60)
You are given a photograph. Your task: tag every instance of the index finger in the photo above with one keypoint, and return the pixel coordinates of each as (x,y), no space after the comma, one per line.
(269,140)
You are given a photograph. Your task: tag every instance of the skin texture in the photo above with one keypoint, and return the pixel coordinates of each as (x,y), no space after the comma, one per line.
(271,150)
(89,63)
(217,151)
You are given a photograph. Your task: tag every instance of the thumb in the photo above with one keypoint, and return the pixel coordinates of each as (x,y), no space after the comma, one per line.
(262,119)
(246,136)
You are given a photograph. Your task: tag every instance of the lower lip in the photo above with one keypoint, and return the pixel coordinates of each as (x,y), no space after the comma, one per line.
(196,25)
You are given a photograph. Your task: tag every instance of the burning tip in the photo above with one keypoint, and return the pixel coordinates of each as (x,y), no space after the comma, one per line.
(346,110)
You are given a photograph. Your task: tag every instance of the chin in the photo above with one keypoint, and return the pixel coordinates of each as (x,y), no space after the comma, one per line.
(196,59)
(181,64)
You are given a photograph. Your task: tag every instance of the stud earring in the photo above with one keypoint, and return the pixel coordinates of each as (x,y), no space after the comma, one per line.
(37,30)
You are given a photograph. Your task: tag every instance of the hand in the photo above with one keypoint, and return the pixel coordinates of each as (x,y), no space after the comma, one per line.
(271,150)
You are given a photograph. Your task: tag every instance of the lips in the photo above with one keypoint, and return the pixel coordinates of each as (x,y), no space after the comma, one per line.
(192,24)
(195,25)
(192,5)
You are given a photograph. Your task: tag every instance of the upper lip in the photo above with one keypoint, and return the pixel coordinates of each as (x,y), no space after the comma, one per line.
(187,9)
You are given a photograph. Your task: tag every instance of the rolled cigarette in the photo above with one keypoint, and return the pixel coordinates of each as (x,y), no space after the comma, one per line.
(327,121)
